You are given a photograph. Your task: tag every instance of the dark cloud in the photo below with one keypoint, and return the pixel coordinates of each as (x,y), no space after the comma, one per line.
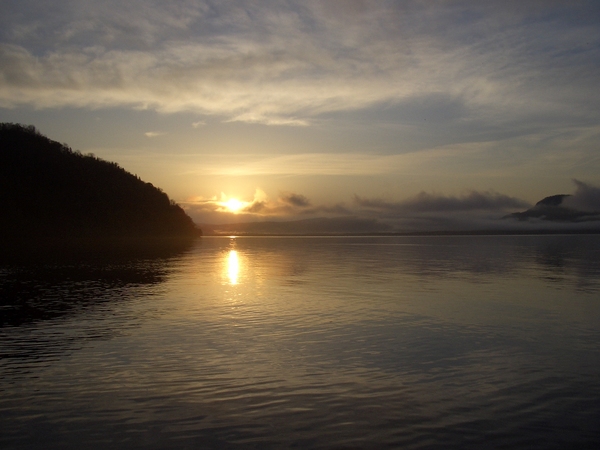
(255,207)
(427,203)
(297,200)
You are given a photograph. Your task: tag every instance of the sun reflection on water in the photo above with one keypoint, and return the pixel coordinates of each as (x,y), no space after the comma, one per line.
(233,267)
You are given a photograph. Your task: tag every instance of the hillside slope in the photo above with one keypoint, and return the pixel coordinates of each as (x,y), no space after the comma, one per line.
(48,190)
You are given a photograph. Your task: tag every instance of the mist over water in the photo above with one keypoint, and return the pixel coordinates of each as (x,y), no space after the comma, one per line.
(405,342)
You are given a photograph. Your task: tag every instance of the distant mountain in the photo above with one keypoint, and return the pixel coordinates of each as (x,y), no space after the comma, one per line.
(316,226)
(49,191)
(556,208)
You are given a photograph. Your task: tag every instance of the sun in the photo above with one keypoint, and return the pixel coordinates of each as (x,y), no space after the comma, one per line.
(233,205)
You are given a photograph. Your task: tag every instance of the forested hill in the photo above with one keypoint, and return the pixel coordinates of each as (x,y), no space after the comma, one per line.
(48,190)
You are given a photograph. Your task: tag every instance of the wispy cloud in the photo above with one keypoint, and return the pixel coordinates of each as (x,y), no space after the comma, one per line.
(288,63)
(153,134)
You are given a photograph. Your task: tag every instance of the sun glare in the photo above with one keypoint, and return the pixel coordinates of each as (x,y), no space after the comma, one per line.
(233,205)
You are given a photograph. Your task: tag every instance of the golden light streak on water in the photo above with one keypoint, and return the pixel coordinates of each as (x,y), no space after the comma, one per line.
(233,267)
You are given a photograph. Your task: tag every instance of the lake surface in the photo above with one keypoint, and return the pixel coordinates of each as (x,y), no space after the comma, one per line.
(355,342)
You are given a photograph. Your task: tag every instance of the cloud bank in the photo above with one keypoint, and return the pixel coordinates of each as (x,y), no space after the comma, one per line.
(425,212)
(428,203)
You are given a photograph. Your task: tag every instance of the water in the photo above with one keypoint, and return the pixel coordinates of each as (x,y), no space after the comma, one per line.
(395,342)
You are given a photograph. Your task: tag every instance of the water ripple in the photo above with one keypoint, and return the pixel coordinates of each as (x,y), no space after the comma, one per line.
(328,343)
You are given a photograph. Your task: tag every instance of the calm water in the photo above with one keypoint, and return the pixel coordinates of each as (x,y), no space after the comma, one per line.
(436,342)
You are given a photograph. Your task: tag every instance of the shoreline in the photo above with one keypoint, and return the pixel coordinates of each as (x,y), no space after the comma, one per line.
(415,233)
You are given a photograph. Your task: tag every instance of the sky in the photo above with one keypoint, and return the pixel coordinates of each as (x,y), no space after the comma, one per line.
(416,114)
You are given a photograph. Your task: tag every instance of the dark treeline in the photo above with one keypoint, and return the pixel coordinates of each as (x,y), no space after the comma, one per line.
(49,191)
